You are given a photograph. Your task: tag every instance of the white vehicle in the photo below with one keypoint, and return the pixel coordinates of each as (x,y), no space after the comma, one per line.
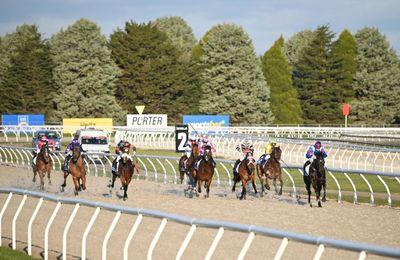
(93,140)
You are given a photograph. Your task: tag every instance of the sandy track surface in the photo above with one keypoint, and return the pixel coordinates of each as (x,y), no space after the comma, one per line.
(377,225)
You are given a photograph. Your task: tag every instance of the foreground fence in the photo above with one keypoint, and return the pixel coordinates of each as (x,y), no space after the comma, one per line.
(165,169)
(195,224)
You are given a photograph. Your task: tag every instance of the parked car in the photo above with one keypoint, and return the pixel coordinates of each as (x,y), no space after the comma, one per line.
(93,140)
(53,137)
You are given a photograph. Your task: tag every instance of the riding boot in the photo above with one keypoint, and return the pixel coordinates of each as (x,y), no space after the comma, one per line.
(214,164)
(235,173)
(34,159)
(66,163)
(305,168)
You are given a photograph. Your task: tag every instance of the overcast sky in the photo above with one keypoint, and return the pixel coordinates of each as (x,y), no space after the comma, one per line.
(264,20)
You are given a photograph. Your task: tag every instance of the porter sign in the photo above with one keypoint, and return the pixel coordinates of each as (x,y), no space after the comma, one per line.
(146,121)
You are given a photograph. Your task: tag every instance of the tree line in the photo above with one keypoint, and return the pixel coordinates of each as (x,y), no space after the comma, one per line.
(305,79)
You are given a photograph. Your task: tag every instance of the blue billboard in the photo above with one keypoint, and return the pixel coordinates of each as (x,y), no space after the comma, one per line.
(22,120)
(206,120)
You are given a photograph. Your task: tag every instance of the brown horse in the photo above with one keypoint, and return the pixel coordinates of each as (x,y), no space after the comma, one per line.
(77,170)
(317,178)
(271,170)
(43,165)
(186,164)
(245,174)
(125,171)
(205,171)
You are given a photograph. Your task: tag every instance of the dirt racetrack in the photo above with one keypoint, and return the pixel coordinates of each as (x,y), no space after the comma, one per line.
(376,225)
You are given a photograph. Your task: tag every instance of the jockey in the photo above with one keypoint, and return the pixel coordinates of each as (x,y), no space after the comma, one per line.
(269,147)
(204,142)
(188,151)
(312,151)
(121,146)
(244,149)
(68,152)
(43,141)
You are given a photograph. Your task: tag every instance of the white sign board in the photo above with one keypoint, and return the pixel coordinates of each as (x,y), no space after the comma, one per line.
(146,120)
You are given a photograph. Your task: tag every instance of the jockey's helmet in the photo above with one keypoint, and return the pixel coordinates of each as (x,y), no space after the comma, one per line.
(205,139)
(317,145)
(43,138)
(127,144)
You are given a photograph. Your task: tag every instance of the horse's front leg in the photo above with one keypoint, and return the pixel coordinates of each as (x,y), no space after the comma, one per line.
(208,188)
(65,182)
(34,176)
(41,175)
(254,185)
(48,176)
(75,179)
(199,186)
(324,197)
(281,182)
(234,185)
(244,184)
(114,177)
(318,193)
(83,177)
(276,188)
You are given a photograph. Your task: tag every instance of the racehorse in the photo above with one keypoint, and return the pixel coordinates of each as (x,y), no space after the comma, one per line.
(188,168)
(245,174)
(43,165)
(205,171)
(271,170)
(317,178)
(77,169)
(125,171)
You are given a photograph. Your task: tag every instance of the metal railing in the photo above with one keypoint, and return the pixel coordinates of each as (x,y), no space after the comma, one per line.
(165,169)
(194,223)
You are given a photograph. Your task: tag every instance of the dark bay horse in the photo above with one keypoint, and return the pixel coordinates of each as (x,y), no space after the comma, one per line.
(187,168)
(245,174)
(317,178)
(271,170)
(43,165)
(125,171)
(205,171)
(77,170)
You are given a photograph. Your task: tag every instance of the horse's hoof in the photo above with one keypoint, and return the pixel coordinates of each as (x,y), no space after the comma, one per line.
(310,205)
(323,199)
(124,199)
(319,204)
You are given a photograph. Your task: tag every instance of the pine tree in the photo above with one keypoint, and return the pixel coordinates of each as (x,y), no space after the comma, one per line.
(343,65)
(84,73)
(377,80)
(295,45)
(152,74)
(284,100)
(312,79)
(28,75)
(180,34)
(232,79)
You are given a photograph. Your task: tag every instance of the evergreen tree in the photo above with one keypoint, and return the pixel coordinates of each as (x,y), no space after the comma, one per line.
(377,80)
(84,73)
(295,45)
(284,100)
(343,65)
(232,79)
(152,73)
(26,85)
(180,34)
(318,98)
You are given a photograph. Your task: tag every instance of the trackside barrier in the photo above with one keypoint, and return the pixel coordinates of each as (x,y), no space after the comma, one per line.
(154,165)
(341,152)
(194,223)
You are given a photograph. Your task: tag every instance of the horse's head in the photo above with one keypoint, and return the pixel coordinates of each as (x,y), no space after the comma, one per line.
(249,160)
(276,153)
(76,153)
(207,153)
(125,157)
(195,149)
(319,162)
(45,152)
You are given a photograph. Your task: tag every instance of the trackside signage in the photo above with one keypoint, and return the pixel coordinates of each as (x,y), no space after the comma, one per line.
(146,120)
(206,120)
